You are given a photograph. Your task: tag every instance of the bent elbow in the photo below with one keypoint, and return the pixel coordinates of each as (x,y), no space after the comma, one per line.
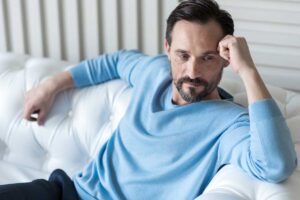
(281,171)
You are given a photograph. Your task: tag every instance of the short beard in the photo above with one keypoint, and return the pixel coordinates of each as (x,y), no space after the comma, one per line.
(191,95)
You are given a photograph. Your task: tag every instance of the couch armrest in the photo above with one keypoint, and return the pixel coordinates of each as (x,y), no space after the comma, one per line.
(233,183)
(220,194)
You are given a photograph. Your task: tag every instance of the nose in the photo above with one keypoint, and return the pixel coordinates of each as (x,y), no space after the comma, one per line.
(193,70)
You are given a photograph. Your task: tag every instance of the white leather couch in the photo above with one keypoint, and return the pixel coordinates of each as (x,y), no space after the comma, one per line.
(82,120)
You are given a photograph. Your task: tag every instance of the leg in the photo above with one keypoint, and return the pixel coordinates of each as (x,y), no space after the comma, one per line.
(65,185)
(59,187)
(35,190)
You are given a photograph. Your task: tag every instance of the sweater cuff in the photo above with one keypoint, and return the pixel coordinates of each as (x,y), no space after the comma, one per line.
(264,109)
(77,75)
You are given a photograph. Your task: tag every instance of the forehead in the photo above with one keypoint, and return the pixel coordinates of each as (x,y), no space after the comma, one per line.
(196,37)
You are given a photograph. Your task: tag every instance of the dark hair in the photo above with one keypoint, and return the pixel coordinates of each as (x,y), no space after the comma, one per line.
(200,11)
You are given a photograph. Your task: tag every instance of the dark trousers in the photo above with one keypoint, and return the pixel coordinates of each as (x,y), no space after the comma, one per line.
(58,187)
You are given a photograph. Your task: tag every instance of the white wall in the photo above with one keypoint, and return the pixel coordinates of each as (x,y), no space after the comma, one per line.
(78,29)
(272,28)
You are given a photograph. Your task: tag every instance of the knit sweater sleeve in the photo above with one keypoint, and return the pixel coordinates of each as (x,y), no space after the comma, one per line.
(122,64)
(263,146)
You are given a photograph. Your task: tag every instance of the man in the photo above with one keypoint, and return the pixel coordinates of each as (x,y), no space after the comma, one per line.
(179,128)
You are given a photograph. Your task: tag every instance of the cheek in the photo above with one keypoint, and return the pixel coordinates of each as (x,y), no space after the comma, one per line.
(216,76)
(177,70)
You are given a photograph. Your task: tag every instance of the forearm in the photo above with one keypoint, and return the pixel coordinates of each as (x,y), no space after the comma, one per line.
(59,82)
(255,87)
(268,126)
(266,150)
(271,139)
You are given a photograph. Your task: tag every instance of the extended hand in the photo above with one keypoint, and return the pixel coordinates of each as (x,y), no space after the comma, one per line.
(39,101)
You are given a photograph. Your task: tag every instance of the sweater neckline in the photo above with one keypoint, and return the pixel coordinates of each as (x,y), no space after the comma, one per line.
(168,104)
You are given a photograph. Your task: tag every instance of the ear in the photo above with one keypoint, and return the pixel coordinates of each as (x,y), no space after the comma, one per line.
(167,48)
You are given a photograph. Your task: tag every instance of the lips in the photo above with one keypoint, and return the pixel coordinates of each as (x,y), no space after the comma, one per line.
(191,84)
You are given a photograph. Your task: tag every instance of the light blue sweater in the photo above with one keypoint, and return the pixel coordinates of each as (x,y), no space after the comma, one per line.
(163,151)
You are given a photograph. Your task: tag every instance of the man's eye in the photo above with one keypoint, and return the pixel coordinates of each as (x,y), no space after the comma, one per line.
(208,57)
(184,56)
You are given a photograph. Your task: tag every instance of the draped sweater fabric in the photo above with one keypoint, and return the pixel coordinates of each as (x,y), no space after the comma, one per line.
(165,151)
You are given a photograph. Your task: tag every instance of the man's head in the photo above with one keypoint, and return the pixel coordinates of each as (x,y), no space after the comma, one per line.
(194,30)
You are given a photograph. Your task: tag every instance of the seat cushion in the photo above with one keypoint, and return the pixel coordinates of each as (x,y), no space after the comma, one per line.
(12,173)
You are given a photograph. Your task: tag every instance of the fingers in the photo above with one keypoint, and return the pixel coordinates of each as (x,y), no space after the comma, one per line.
(28,111)
(35,115)
(41,117)
(33,112)
(223,48)
(38,102)
(224,53)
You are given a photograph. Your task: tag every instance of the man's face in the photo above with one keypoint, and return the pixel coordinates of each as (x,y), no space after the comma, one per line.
(195,62)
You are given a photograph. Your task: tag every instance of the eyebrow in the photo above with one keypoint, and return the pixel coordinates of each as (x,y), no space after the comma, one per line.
(203,54)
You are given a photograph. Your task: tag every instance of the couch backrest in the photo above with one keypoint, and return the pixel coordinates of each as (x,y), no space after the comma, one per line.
(79,122)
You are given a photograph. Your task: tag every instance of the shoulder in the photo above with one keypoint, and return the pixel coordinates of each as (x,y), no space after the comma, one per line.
(155,67)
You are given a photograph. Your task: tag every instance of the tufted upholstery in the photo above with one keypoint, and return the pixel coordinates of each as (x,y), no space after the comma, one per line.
(82,120)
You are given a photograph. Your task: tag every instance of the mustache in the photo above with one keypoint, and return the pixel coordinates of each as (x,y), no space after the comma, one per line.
(197,81)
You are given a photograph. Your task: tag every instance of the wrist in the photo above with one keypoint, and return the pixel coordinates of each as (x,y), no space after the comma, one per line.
(248,72)
(59,83)
(52,86)
(254,85)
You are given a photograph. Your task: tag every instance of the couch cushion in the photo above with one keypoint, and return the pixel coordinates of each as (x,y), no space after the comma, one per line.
(12,173)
